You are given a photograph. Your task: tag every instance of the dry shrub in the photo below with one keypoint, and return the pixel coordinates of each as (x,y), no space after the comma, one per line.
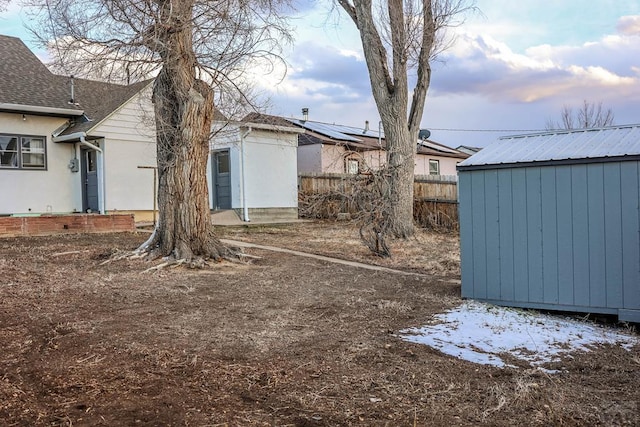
(322,205)
(435,215)
(429,214)
(365,198)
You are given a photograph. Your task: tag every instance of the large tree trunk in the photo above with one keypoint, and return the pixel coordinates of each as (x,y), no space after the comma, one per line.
(391,94)
(401,164)
(183,111)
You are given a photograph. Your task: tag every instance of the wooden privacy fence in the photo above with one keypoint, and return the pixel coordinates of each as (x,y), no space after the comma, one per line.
(435,198)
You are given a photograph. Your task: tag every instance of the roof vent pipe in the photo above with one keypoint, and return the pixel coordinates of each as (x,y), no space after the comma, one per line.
(366,126)
(73,90)
(305,114)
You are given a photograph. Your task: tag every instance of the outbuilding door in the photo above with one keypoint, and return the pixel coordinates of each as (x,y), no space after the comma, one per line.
(89,166)
(221,178)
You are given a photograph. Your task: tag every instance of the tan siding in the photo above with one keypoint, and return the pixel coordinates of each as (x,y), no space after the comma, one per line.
(131,122)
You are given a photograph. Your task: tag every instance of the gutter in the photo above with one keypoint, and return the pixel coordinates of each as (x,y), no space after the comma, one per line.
(18,108)
(81,137)
(275,128)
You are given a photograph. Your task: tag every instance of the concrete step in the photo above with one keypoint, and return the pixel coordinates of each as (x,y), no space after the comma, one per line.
(225,217)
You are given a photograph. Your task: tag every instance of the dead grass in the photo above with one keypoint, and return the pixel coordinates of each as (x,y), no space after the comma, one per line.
(427,252)
(281,340)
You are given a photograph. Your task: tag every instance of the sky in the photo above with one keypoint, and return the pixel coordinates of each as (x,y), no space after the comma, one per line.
(513,66)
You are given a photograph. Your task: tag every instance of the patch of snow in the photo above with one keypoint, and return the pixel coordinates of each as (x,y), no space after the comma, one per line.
(480,333)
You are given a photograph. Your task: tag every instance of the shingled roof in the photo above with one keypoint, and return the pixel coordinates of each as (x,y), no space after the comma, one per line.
(99,99)
(26,81)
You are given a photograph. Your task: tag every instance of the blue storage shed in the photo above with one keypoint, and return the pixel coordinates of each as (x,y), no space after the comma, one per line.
(552,221)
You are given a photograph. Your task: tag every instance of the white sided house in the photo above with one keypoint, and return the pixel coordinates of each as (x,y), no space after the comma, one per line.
(80,146)
(252,170)
(71,145)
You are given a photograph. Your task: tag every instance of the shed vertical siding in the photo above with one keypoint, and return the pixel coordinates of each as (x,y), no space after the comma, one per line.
(505,225)
(557,237)
(549,225)
(565,235)
(492,231)
(580,224)
(595,214)
(520,245)
(466,239)
(534,234)
(630,236)
(479,221)
(613,233)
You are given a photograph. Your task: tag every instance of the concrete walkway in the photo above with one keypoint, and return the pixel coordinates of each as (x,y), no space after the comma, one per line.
(230,218)
(321,258)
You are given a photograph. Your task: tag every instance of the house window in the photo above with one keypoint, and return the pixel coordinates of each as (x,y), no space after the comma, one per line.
(352,166)
(434,167)
(91,161)
(22,152)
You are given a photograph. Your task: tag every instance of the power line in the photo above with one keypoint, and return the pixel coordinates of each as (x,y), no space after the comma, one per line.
(489,130)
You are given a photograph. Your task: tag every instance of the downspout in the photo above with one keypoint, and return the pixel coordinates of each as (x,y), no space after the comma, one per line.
(81,136)
(100,157)
(245,208)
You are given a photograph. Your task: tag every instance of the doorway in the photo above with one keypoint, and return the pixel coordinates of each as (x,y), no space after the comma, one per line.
(221,179)
(89,167)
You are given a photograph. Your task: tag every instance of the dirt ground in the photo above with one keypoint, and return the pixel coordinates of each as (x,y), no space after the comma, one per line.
(279,341)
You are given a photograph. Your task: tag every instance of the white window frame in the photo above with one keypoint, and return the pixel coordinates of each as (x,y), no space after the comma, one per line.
(436,163)
(351,166)
(24,151)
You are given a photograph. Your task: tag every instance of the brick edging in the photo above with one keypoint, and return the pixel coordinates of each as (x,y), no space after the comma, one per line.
(65,224)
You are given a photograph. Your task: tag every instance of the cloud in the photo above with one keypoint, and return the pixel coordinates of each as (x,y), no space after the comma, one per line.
(629,25)
(596,70)
(324,72)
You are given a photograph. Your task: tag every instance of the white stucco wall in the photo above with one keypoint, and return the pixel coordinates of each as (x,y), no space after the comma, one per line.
(270,167)
(129,142)
(271,175)
(54,190)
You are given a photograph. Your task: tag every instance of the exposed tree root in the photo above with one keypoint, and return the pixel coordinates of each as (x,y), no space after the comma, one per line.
(181,255)
(67,253)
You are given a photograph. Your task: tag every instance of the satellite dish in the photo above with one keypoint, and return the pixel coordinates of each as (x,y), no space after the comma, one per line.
(424,134)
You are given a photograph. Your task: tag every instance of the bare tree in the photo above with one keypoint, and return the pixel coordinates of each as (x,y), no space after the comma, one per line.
(402,37)
(588,116)
(196,47)
(4,4)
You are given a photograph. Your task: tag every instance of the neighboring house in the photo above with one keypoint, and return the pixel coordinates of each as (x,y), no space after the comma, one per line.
(253,170)
(552,221)
(71,145)
(331,148)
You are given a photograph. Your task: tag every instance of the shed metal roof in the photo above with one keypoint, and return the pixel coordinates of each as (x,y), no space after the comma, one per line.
(600,143)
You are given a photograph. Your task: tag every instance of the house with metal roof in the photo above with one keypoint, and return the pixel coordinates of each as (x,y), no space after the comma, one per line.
(336,148)
(552,221)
